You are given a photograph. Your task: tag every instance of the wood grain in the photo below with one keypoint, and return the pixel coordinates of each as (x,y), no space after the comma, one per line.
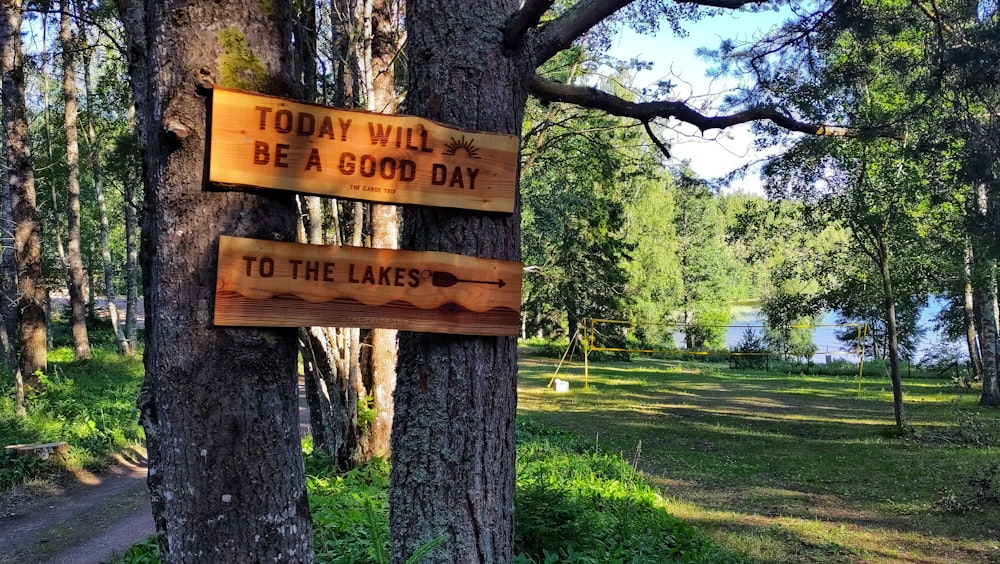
(277,284)
(273,143)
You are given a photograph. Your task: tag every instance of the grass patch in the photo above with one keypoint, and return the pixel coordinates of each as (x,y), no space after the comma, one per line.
(787,467)
(573,503)
(88,404)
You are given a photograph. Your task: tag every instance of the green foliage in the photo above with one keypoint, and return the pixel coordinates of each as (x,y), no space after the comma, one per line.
(349,511)
(580,505)
(754,349)
(146,552)
(572,504)
(576,504)
(551,348)
(89,404)
(366,413)
(706,266)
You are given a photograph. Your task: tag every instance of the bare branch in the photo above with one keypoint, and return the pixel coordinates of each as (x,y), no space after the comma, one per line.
(656,140)
(549,91)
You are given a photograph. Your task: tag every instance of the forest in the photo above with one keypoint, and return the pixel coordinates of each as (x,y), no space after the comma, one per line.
(880,196)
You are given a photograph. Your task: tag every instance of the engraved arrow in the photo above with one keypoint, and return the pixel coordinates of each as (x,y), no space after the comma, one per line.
(447,280)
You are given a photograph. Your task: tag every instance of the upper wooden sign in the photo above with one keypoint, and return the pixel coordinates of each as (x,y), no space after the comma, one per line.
(268,142)
(277,284)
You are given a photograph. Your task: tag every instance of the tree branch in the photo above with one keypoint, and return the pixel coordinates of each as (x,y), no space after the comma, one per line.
(549,91)
(524,19)
(560,33)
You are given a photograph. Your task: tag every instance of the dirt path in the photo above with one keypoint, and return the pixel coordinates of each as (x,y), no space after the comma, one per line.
(82,519)
(85,518)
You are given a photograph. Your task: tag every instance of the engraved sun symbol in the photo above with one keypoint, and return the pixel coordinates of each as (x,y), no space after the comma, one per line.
(471,150)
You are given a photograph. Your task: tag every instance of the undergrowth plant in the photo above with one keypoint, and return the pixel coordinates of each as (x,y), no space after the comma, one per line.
(572,504)
(88,404)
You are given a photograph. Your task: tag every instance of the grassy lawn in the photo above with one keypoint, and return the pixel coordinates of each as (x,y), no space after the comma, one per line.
(793,468)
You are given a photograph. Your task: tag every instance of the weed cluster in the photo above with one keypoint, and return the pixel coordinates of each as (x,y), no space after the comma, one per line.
(90,405)
(971,428)
(985,493)
(576,504)
(572,504)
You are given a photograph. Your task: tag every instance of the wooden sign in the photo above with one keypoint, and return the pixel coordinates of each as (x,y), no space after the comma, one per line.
(277,284)
(265,142)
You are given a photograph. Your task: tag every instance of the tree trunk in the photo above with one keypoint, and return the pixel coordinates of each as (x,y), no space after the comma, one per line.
(891,334)
(385,43)
(335,422)
(74,255)
(24,212)
(968,309)
(8,296)
(131,267)
(219,405)
(985,285)
(453,430)
(102,208)
(56,213)
(990,339)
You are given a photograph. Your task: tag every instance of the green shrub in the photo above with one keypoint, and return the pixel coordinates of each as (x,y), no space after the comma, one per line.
(574,504)
(89,404)
(571,505)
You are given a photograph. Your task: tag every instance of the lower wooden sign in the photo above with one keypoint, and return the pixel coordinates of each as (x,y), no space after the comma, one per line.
(276,284)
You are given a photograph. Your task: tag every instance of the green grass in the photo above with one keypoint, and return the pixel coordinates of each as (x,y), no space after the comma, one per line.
(573,503)
(88,404)
(790,467)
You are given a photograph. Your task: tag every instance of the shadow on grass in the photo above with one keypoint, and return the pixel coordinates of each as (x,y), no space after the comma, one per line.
(782,467)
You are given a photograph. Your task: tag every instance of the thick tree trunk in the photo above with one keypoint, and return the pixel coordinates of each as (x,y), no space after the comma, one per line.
(453,430)
(74,254)
(21,181)
(892,335)
(968,309)
(219,405)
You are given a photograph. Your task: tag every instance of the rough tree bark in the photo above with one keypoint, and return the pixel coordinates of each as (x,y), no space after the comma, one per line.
(989,336)
(24,212)
(219,405)
(453,430)
(74,255)
(8,296)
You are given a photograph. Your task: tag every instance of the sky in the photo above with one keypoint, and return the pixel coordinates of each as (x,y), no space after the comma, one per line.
(716,153)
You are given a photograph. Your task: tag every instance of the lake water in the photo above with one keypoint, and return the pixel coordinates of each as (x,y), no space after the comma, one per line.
(824,335)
